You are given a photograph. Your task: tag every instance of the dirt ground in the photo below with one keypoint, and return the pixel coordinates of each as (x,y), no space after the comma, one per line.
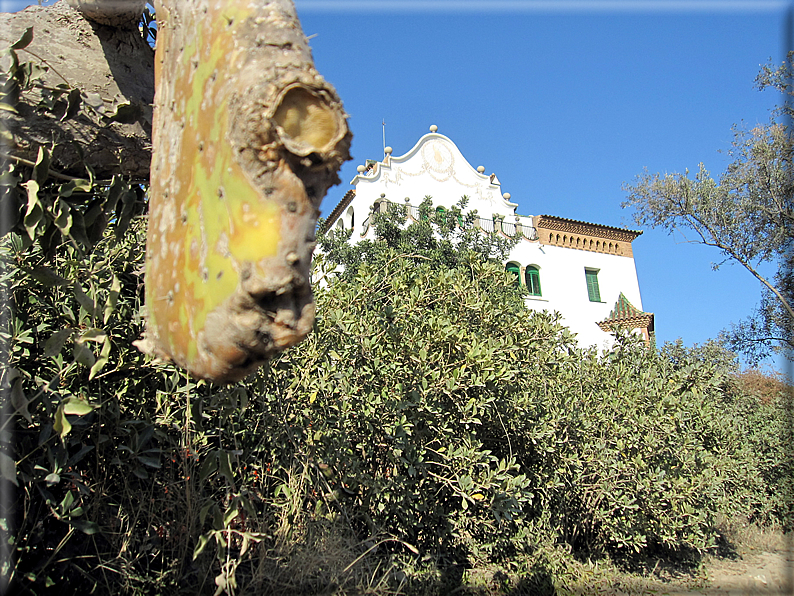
(764,566)
(753,573)
(757,562)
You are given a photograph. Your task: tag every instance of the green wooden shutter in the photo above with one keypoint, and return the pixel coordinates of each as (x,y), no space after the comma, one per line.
(592,285)
(532,276)
(515,270)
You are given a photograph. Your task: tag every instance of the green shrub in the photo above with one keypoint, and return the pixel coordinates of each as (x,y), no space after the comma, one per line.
(431,426)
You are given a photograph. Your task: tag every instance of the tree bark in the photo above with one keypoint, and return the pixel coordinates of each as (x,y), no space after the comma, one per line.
(116,13)
(113,67)
(248,137)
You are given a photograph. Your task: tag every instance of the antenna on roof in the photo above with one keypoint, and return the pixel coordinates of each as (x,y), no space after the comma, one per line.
(384,137)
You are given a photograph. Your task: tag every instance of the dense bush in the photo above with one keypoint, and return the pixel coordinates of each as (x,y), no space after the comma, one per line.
(430,425)
(430,421)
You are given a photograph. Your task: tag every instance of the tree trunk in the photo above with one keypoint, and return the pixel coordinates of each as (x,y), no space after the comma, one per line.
(116,13)
(113,67)
(248,137)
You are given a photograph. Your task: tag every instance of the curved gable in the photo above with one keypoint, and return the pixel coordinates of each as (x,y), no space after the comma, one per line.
(436,167)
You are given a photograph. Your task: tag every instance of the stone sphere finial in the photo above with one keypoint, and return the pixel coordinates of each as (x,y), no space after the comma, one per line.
(361,169)
(480,169)
(433,128)
(387,150)
(506,196)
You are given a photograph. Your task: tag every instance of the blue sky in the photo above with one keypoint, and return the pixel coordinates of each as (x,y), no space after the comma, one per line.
(565,100)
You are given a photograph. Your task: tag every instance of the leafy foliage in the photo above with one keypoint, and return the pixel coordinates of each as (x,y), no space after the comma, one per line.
(431,428)
(444,239)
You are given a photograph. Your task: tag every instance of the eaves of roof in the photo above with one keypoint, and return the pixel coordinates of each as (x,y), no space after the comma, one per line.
(555,222)
(340,207)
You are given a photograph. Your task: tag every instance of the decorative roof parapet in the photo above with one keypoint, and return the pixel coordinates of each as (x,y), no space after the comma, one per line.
(563,224)
(582,235)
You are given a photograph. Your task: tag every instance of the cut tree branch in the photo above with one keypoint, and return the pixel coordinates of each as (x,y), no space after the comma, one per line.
(248,137)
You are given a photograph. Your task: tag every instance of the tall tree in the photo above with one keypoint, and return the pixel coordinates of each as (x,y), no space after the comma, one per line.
(747,214)
(446,240)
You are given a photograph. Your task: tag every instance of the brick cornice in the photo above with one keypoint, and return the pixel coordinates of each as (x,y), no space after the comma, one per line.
(562,224)
(340,206)
(643,321)
(582,235)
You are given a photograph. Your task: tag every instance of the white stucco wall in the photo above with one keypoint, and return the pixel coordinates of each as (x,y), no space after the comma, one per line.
(564,288)
(436,167)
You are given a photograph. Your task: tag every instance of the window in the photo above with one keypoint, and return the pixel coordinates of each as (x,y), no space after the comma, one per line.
(515,271)
(441,216)
(592,285)
(532,277)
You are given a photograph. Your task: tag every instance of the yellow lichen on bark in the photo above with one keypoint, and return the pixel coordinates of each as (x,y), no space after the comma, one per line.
(233,199)
(222,218)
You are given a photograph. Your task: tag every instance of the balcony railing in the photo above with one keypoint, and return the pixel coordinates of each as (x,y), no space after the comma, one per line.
(487,225)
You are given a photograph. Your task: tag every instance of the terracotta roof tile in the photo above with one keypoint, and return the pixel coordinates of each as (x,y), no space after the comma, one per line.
(625,314)
(550,218)
(332,217)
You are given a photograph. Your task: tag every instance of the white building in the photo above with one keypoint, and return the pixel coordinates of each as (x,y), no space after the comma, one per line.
(583,270)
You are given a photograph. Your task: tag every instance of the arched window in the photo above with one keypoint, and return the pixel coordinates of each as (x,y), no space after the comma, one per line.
(532,277)
(351,222)
(441,216)
(515,270)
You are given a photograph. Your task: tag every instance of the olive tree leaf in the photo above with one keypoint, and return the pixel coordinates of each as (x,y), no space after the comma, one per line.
(23,41)
(84,301)
(19,401)
(74,102)
(203,540)
(62,216)
(78,184)
(100,363)
(86,527)
(83,354)
(41,171)
(34,212)
(78,231)
(76,407)
(61,425)
(128,199)
(113,297)
(47,277)
(54,345)
(125,113)
(225,466)
(8,468)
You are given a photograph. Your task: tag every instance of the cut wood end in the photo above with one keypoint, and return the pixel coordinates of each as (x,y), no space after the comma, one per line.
(307,123)
(240,337)
(114,13)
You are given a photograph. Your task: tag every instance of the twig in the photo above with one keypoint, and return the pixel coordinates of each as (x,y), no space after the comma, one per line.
(48,65)
(27,162)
